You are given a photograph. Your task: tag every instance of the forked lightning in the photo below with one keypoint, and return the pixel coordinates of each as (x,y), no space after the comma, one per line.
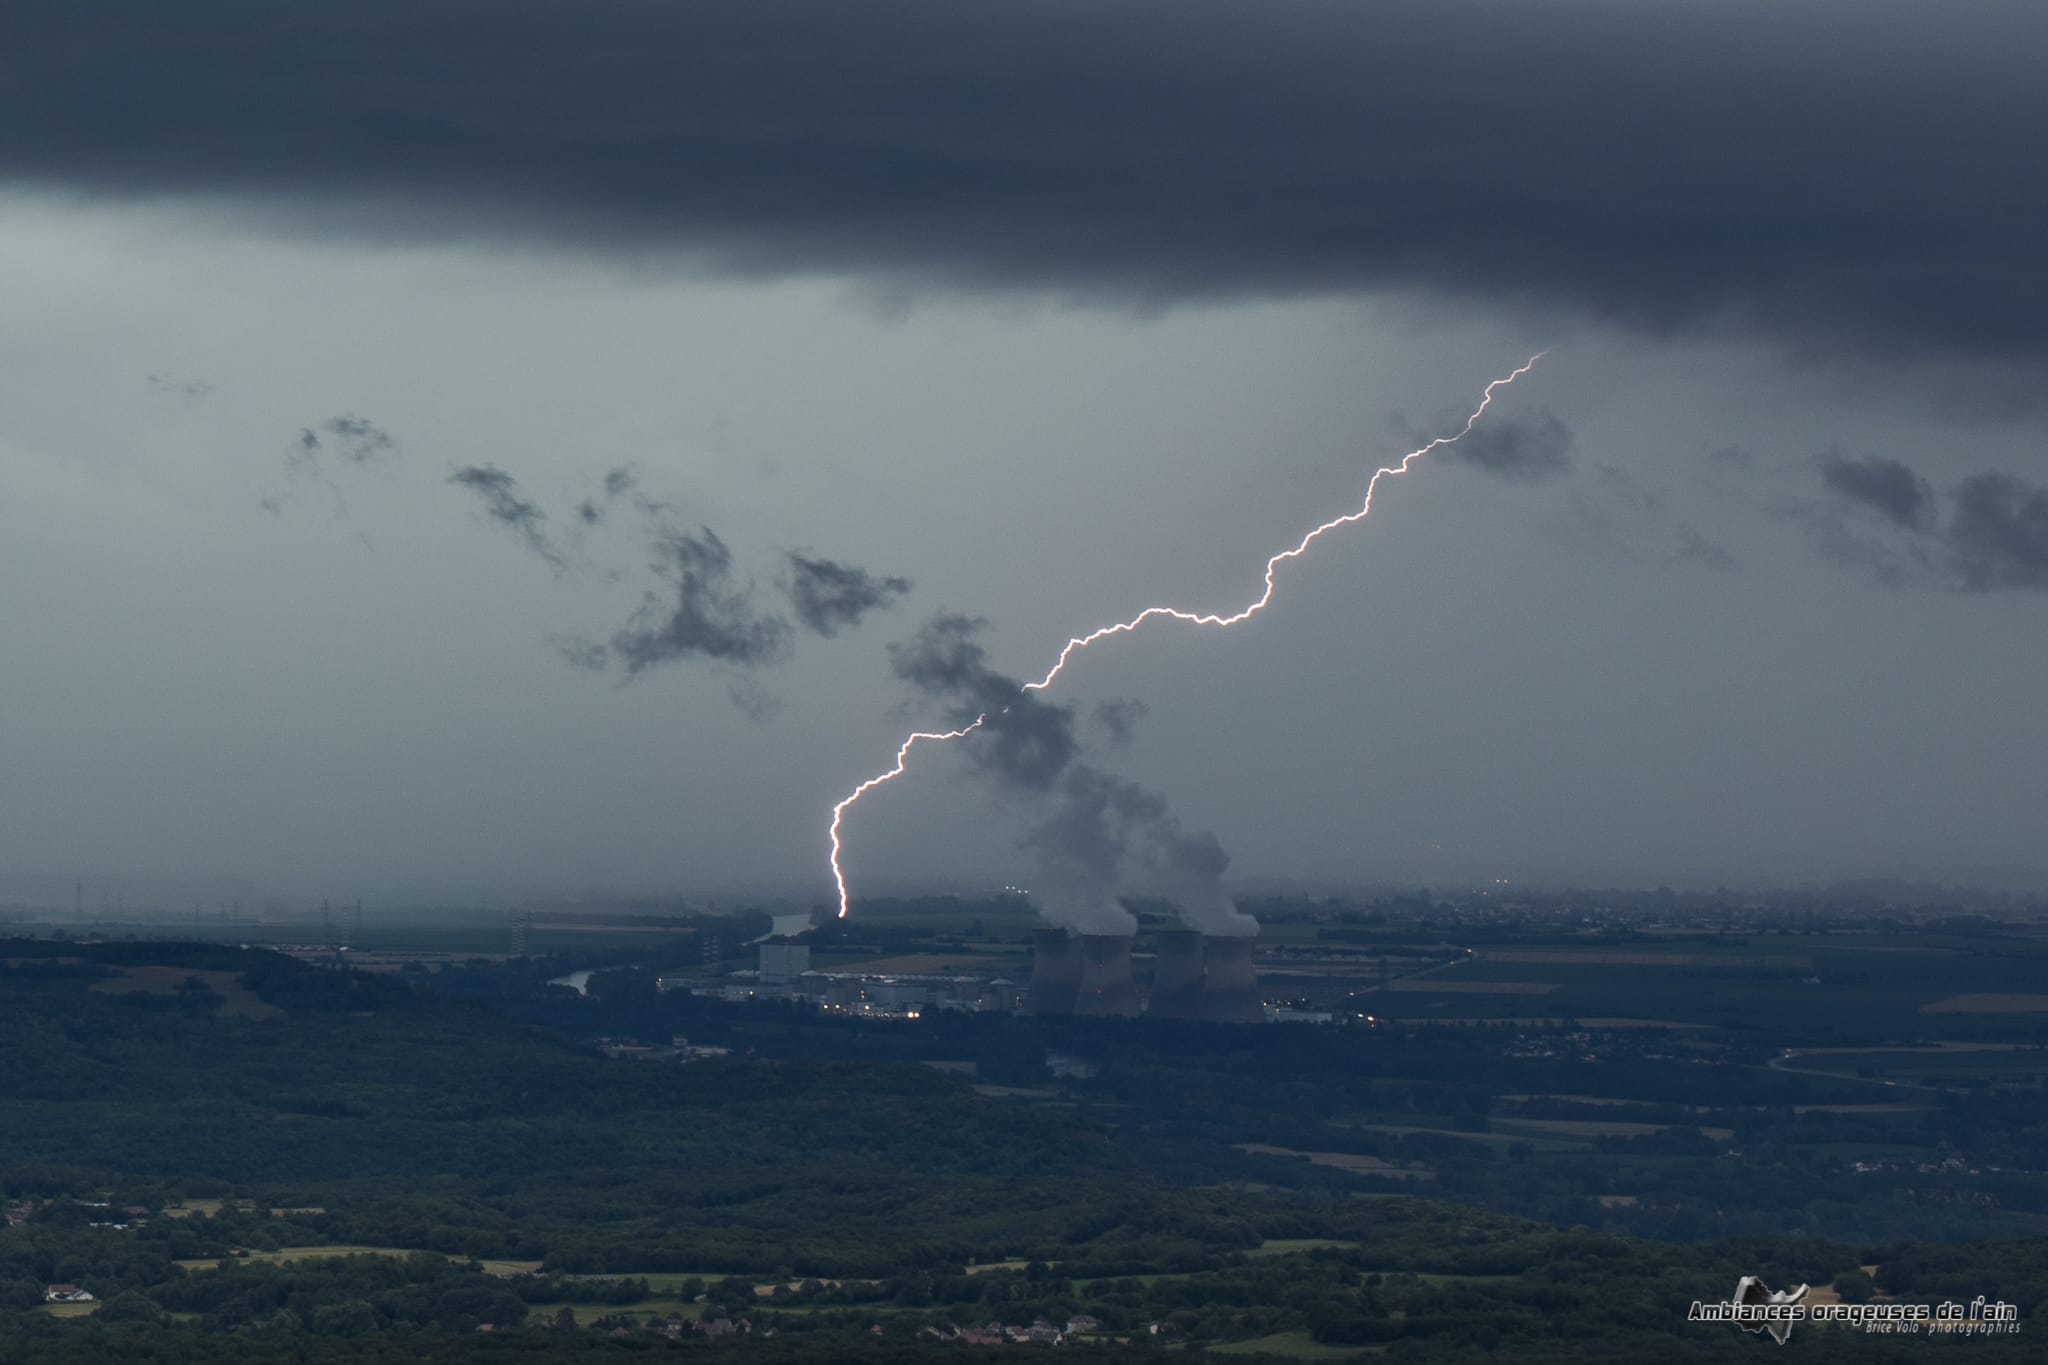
(1081,642)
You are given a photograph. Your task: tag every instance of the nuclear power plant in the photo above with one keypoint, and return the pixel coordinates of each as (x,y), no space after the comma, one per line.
(1106,985)
(1206,976)
(1055,972)
(1230,986)
(1199,976)
(1081,974)
(1177,980)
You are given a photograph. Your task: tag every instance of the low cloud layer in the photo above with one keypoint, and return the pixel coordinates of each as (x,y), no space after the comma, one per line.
(1616,513)
(1990,533)
(1117,718)
(505,504)
(1527,449)
(351,440)
(828,596)
(707,608)
(1886,487)
(1997,534)
(619,483)
(356,439)
(1793,168)
(709,612)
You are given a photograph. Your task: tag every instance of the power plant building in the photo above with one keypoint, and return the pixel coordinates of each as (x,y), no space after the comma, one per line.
(782,963)
(1230,987)
(1206,976)
(1106,987)
(1055,972)
(1178,976)
(1088,974)
(1200,976)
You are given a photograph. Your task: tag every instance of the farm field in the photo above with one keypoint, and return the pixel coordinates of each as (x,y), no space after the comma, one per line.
(1342,1161)
(152,979)
(289,1255)
(1596,1128)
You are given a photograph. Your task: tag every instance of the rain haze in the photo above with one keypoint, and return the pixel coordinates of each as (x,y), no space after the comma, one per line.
(470,450)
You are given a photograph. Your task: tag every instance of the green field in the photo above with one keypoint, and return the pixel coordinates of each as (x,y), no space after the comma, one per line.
(1290,1246)
(287,1255)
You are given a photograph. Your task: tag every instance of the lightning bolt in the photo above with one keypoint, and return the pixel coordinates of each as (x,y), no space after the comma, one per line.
(902,758)
(1194,618)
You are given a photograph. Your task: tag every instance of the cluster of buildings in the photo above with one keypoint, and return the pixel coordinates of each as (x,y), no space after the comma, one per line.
(784,972)
(675,1327)
(1040,1331)
(679,1049)
(18,1211)
(1196,976)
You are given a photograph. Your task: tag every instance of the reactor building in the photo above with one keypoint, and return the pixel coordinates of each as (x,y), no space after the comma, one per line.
(1206,976)
(1199,976)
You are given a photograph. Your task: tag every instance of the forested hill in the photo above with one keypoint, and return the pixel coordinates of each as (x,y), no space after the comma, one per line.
(242,1157)
(158,1069)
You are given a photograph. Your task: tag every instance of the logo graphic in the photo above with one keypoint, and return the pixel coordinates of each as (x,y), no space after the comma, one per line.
(1756,1307)
(1751,1292)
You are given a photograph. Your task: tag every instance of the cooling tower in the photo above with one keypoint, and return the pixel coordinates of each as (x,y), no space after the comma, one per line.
(1177,982)
(1230,991)
(1055,972)
(1106,986)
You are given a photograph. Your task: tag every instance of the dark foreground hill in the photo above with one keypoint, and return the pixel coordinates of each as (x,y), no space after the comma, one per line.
(197,1136)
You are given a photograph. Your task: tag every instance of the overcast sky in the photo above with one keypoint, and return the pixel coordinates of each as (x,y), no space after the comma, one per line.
(456,448)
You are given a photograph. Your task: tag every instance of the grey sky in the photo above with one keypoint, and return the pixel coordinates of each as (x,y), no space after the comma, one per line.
(1049,312)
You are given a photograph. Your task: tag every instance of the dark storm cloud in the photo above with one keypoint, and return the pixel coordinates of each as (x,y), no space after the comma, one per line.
(1866,169)
(708,613)
(1994,538)
(505,504)
(1525,449)
(1886,487)
(828,596)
